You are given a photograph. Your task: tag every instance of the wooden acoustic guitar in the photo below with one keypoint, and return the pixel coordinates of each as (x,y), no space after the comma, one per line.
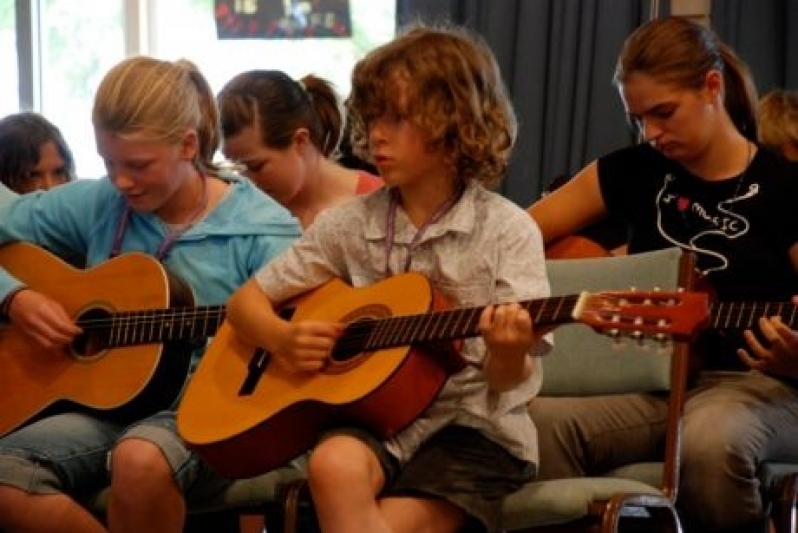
(134,354)
(246,416)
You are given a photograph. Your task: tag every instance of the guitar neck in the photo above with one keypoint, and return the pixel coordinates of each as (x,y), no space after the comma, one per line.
(744,315)
(129,328)
(451,324)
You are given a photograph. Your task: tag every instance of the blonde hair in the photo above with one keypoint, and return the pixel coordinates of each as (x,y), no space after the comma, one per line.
(453,91)
(147,98)
(777,117)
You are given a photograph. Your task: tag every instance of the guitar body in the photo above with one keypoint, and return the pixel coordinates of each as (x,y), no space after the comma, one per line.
(242,433)
(575,247)
(125,382)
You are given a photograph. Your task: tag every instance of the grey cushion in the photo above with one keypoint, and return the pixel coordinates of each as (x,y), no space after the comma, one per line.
(562,500)
(586,363)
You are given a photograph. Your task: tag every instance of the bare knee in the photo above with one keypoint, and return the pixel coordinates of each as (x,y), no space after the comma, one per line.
(138,462)
(342,460)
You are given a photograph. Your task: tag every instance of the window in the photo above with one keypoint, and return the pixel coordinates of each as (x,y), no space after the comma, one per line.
(81,39)
(78,45)
(8,58)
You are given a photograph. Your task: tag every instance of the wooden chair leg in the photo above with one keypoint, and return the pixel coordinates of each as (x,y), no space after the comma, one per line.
(251,523)
(785,506)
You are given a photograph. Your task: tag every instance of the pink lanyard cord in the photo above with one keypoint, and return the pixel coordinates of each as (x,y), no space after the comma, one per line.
(439,213)
(171,236)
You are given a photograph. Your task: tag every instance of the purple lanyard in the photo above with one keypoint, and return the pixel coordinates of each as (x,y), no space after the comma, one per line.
(171,236)
(163,249)
(444,208)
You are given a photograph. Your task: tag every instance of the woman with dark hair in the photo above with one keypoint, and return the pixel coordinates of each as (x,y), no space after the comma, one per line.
(285,135)
(33,154)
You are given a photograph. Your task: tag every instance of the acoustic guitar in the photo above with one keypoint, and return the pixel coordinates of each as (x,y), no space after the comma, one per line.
(139,331)
(246,416)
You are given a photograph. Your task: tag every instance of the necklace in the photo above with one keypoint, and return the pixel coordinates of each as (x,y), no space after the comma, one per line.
(749,156)
(684,202)
(695,216)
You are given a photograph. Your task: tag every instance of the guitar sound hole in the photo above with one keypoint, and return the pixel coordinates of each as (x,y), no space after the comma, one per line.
(360,326)
(94,339)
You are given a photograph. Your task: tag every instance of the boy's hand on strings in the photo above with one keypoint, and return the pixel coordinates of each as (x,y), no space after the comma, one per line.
(508,334)
(506,328)
(307,346)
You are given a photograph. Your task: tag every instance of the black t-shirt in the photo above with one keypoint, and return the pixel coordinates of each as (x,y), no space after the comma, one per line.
(740,229)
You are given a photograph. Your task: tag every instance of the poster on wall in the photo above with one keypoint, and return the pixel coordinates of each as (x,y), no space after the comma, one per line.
(282,19)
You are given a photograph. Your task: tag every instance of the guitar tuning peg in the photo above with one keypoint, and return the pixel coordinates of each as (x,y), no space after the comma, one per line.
(664,348)
(618,344)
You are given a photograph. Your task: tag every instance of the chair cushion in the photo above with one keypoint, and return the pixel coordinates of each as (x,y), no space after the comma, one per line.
(649,473)
(562,500)
(585,363)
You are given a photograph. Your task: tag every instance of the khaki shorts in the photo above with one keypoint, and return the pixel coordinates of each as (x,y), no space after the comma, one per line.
(459,465)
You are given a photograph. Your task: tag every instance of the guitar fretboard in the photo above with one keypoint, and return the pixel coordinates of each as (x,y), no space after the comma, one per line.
(451,324)
(129,328)
(744,315)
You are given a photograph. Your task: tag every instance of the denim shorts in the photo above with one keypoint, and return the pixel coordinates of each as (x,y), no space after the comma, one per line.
(69,453)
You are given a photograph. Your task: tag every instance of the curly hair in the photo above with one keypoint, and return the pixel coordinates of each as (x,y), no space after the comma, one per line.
(453,92)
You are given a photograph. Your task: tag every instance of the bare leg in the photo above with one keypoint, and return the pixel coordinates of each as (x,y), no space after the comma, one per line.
(420,515)
(143,491)
(345,477)
(21,512)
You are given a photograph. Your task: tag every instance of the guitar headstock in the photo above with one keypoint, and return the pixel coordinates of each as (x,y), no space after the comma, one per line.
(661,315)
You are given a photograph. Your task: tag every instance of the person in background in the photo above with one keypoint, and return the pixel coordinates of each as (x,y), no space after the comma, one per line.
(285,133)
(699,181)
(777,122)
(286,136)
(33,154)
(157,128)
(430,110)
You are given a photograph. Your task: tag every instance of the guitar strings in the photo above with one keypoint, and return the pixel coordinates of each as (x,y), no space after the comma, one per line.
(432,326)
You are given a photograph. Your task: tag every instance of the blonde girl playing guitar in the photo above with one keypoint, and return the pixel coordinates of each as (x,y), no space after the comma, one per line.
(157,127)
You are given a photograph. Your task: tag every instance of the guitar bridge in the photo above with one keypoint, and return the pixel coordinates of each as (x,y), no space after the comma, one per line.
(255,368)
